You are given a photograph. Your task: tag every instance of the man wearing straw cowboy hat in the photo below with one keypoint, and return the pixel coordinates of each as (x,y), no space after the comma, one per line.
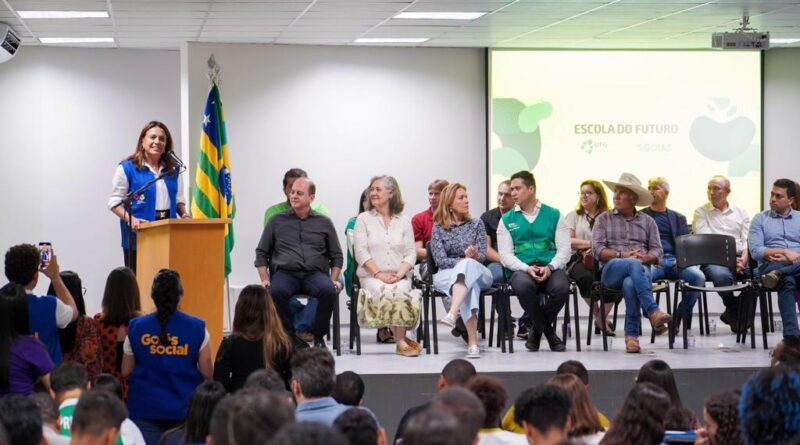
(627,243)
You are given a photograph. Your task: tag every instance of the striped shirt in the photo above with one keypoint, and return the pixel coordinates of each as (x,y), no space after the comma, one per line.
(614,231)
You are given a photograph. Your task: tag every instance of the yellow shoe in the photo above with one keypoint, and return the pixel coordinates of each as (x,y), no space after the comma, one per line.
(407,351)
(414,344)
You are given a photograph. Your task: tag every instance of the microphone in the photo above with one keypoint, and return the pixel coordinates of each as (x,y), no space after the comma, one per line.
(180,165)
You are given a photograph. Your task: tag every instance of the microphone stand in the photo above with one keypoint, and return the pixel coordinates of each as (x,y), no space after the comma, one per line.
(127,201)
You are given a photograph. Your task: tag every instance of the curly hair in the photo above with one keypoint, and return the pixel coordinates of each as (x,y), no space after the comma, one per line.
(493,396)
(166,293)
(769,407)
(22,263)
(641,418)
(723,409)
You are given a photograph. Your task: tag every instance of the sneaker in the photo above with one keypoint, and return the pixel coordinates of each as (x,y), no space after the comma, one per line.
(474,352)
(448,320)
(632,345)
(770,280)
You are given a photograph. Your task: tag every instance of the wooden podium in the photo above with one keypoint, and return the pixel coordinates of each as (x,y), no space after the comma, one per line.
(195,248)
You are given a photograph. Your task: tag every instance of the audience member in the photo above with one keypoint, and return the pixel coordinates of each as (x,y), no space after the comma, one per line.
(23,359)
(267,379)
(218,430)
(641,419)
(721,416)
(129,432)
(49,412)
(360,428)
(313,381)
(308,433)
(257,415)
(301,249)
(493,397)
(349,389)
(303,318)
(80,340)
(659,373)
(534,246)
(258,341)
(769,407)
(718,216)
(786,352)
(543,411)
(47,314)
(167,355)
(384,250)
(195,428)
(671,225)
(434,427)
(455,373)
(20,417)
(458,247)
(68,382)
(592,202)
(626,243)
(465,406)
(584,419)
(120,305)
(98,418)
(774,241)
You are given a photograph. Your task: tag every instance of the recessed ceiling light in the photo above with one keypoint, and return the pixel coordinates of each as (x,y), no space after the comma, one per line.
(440,15)
(775,41)
(392,40)
(50,40)
(63,14)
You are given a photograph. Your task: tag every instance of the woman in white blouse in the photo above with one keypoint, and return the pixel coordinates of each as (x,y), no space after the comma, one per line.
(593,201)
(385,253)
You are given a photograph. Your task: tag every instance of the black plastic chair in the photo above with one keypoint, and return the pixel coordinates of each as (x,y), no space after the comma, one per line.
(708,249)
(500,304)
(355,329)
(598,295)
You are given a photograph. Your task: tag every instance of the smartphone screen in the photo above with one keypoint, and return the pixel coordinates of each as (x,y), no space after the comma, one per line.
(47,251)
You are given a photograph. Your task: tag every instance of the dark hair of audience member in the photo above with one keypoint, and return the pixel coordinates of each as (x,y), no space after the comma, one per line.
(293,173)
(789,185)
(257,414)
(659,373)
(575,368)
(201,406)
(641,419)
(256,318)
(465,406)
(349,388)
(3,435)
(22,263)
(166,293)
(68,376)
(96,413)
(22,420)
(314,370)
(14,322)
(526,177)
(543,407)
(583,415)
(267,379)
(458,372)
(492,394)
(787,352)
(434,427)
(121,297)
(74,285)
(723,409)
(308,433)
(218,426)
(107,382)
(358,426)
(769,407)
(48,409)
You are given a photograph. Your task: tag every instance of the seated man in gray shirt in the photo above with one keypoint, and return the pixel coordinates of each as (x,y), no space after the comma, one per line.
(302,250)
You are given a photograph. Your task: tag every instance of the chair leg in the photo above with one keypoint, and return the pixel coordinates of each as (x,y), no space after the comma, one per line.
(501,326)
(565,325)
(577,321)
(658,302)
(508,319)
(763,320)
(589,330)
(434,323)
(482,316)
(603,318)
(337,328)
(426,337)
(704,296)
(491,319)
(771,313)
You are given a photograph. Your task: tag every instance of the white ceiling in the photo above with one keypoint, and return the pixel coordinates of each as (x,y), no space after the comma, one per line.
(648,24)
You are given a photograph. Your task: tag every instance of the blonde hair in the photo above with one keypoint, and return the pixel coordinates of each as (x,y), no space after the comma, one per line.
(443,214)
(659,181)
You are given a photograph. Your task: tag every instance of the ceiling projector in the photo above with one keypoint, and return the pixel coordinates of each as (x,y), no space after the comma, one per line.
(741,38)
(9,42)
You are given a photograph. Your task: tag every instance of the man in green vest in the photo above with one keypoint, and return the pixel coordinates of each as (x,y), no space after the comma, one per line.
(534,245)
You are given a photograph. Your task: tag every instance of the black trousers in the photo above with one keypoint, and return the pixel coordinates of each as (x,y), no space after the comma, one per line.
(286,284)
(542,301)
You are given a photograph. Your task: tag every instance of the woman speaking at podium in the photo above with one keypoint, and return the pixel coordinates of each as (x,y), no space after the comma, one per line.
(154,156)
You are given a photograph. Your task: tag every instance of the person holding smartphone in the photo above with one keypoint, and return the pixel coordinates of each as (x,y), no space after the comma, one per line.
(47,314)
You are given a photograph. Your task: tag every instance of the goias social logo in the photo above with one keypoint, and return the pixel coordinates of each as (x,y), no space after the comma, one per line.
(156,348)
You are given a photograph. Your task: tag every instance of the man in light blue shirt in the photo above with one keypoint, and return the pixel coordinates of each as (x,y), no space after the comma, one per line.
(775,243)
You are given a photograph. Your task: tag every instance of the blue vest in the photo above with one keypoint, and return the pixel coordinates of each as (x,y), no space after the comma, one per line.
(164,378)
(144,205)
(42,318)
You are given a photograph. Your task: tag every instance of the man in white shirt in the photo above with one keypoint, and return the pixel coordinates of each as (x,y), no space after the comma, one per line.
(719,216)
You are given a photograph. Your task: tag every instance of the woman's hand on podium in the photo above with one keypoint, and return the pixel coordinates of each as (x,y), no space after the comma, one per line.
(135,222)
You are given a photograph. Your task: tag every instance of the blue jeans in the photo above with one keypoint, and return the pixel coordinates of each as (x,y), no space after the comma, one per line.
(787,288)
(633,278)
(497,273)
(303,314)
(692,275)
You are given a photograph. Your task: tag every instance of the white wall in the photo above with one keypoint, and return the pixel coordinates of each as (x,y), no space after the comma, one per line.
(781,116)
(68,117)
(343,114)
